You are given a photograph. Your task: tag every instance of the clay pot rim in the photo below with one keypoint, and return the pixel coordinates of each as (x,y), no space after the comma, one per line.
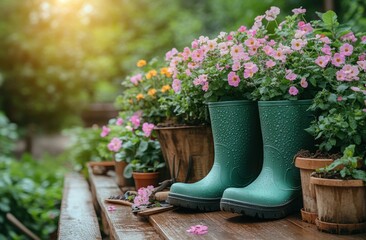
(337,182)
(312,163)
(144,173)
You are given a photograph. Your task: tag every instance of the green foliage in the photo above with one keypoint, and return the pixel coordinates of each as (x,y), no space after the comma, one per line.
(84,147)
(8,135)
(31,190)
(346,166)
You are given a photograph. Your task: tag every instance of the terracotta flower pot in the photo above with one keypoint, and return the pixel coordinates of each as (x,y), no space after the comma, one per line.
(307,166)
(145,179)
(119,167)
(341,205)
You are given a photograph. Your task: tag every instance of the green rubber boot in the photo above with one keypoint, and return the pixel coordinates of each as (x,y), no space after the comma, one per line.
(277,190)
(238,156)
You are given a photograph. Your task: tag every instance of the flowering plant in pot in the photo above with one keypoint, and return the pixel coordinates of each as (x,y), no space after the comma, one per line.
(341,117)
(134,144)
(142,90)
(337,124)
(341,193)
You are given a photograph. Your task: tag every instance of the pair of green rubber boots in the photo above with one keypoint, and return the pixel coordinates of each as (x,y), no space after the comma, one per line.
(253,172)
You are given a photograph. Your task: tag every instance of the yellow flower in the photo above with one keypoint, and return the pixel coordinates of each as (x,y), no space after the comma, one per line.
(165,88)
(140,96)
(151,92)
(141,63)
(151,73)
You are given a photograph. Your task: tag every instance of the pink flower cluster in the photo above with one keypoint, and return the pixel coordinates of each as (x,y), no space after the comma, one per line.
(198,229)
(105,131)
(147,128)
(143,196)
(115,144)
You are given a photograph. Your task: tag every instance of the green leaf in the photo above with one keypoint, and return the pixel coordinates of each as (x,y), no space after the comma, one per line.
(329,18)
(127,172)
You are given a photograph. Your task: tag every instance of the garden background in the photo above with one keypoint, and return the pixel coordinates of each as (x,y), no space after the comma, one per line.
(59,56)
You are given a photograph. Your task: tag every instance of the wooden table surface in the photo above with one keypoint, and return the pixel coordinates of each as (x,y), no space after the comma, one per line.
(123,224)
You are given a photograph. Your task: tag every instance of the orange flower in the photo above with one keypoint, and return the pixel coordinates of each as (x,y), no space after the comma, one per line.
(151,92)
(141,63)
(165,88)
(140,96)
(165,71)
(151,73)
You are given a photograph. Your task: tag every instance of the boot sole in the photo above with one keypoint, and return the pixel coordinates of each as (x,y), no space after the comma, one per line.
(262,212)
(200,204)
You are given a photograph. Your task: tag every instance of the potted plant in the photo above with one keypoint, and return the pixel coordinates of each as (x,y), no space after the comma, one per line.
(339,105)
(341,194)
(185,144)
(141,150)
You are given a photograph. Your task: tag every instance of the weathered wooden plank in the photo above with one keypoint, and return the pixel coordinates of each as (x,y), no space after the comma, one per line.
(78,219)
(223,225)
(120,223)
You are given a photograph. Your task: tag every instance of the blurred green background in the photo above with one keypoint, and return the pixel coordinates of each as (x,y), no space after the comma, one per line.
(59,56)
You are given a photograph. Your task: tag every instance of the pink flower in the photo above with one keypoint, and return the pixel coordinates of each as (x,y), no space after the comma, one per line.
(305,27)
(355,89)
(250,69)
(198,229)
(188,72)
(298,44)
(105,131)
(171,54)
(229,37)
(303,83)
(293,91)
(115,144)
(211,44)
(363,39)
(219,68)
(322,61)
(135,120)
(299,10)
(324,39)
(119,121)
(136,79)
(177,85)
(339,98)
(348,73)
(290,75)
(270,64)
(362,64)
(346,49)
(327,50)
(194,44)
(242,29)
(197,55)
(205,87)
(236,51)
(349,37)
(279,55)
(236,66)
(233,79)
(251,42)
(272,13)
(143,196)
(268,50)
(338,59)
(111,208)
(147,128)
